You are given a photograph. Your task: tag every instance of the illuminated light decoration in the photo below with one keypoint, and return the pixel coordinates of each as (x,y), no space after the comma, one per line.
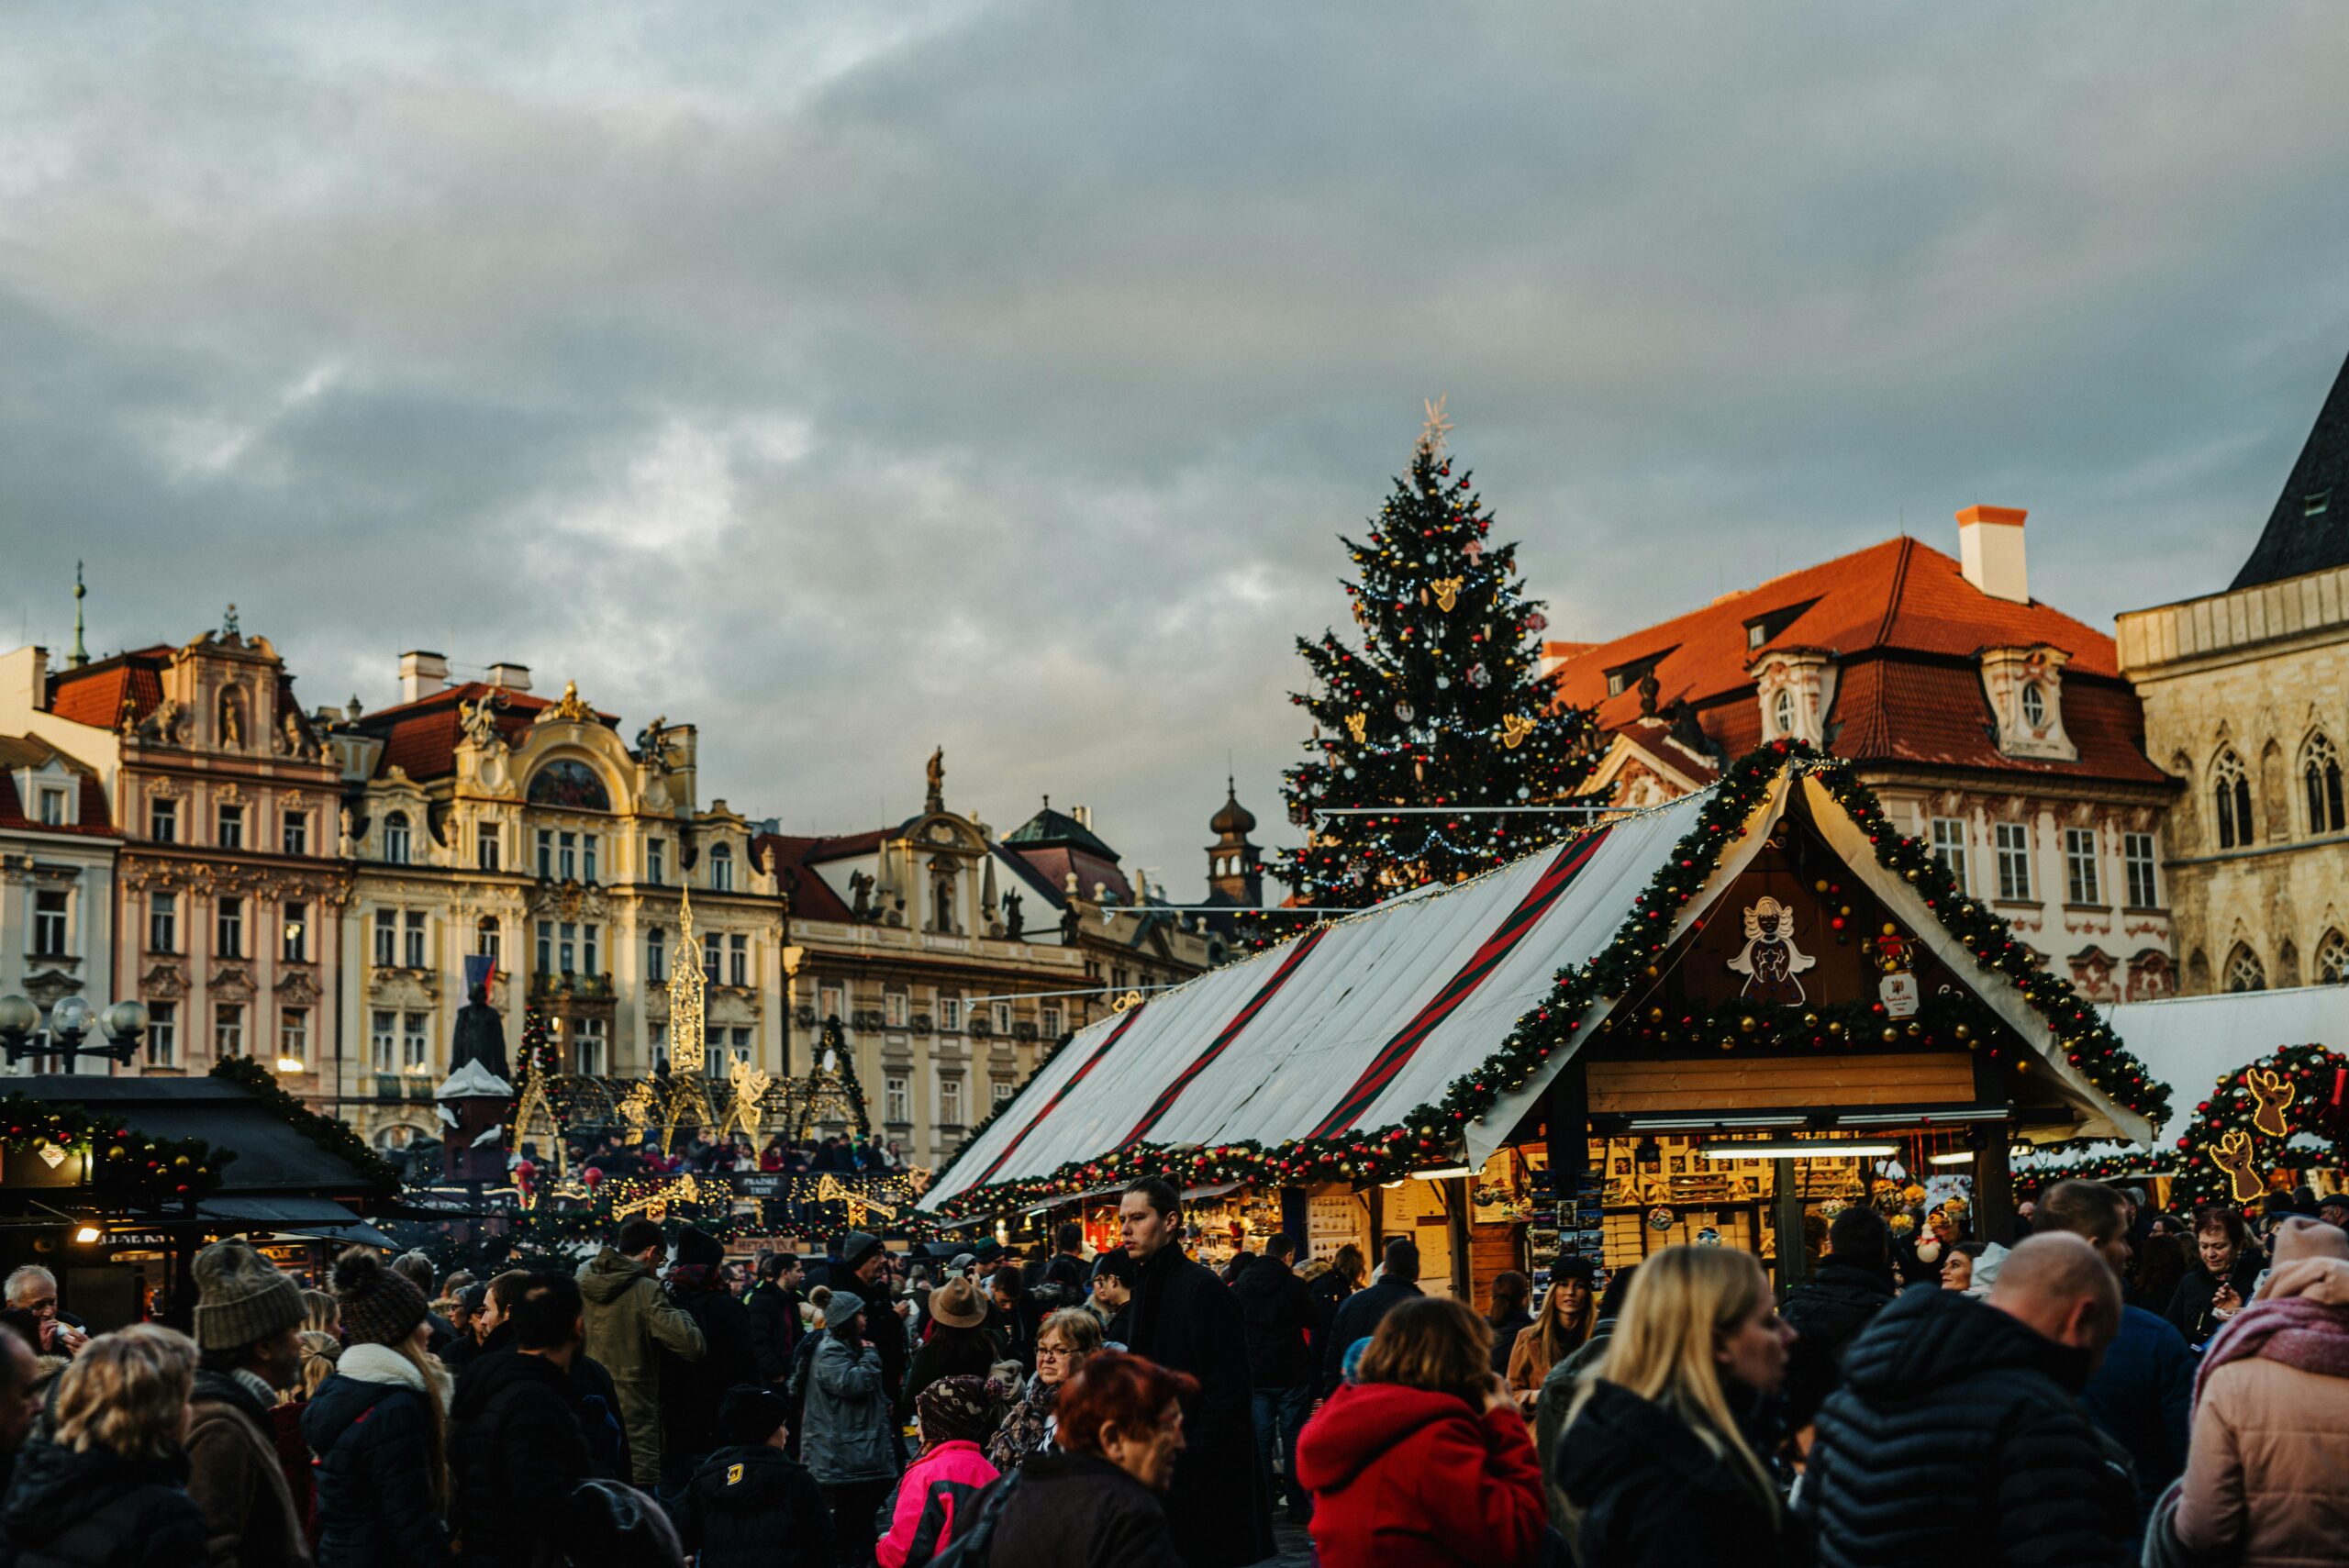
(2244,1130)
(2087,1042)
(688,1048)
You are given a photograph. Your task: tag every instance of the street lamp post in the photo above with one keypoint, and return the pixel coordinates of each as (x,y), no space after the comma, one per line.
(21,1034)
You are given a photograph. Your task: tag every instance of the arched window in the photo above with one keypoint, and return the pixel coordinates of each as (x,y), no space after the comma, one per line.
(721,869)
(2332,959)
(487,939)
(2035,704)
(2231,800)
(2321,777)
(1785,712)
(2244,971)
(396,838)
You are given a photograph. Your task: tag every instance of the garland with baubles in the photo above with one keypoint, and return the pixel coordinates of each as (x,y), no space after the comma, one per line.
(2240,1133)
(331,1134)
(126,1166)
(1431,1132)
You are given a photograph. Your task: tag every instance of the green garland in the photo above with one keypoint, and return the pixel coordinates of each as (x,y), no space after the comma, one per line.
(1430,1131)
(329,1133)
(126,1166)
(2311,1075)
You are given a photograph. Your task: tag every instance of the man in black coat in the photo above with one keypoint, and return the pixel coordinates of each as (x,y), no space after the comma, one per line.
(774,1307)
(691,1392)
(1851,1286)
(748,1505)
(1186,1319)
(1067,1267)
(1957,1437)
(1278,1310)
(1360,1315)
(516,1449)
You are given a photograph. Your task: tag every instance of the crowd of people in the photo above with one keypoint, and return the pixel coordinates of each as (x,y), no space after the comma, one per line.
(2120,1385)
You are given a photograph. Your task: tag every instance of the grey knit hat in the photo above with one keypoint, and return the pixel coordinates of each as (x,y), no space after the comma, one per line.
(242,1297)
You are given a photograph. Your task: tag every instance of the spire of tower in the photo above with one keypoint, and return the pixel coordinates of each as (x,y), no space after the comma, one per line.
(80,655)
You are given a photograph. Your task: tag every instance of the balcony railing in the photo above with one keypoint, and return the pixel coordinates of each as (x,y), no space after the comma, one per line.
(556,986)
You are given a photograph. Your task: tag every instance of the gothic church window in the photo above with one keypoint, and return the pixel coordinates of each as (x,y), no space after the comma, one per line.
(2332,959)
(2244,971)
(2321,777)
(2231,800)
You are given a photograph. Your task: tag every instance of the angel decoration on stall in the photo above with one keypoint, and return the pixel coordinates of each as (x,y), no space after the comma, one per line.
(1770,961)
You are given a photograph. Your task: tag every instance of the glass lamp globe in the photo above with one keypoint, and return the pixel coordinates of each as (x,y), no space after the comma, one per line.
(19,1016)
(125,1018)
(70,1015)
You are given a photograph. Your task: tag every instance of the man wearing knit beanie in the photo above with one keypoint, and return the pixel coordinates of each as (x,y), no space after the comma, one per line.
(247,1326)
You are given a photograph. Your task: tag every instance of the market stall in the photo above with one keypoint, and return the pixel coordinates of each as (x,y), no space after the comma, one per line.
(1709,1022)
(2259,1085)
(114,1183)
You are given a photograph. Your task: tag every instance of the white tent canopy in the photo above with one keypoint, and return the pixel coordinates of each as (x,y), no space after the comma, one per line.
(1355,1023)
(2193,1042)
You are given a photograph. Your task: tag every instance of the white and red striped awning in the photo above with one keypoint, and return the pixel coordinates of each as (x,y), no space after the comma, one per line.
(1355,1023)
(1350,1024)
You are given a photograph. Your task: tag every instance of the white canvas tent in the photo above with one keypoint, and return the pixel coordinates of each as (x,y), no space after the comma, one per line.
(2193,1042)
(1354,1024)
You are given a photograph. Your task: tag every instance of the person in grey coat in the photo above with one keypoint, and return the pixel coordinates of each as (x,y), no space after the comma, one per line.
(846,1440)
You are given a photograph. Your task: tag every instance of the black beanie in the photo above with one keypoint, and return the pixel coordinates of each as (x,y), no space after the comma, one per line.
(749,1415)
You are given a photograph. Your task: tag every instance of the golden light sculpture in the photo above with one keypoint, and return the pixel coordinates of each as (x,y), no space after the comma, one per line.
(747,1110)
(831,1189)
(688,1050)
(637,1110)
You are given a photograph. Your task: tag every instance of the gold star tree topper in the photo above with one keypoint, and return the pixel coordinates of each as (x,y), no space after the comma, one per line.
(1433,433)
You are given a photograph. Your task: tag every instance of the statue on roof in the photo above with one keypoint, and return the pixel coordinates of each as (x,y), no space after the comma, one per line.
(1014,920)
(653,744)
(936,773)
(479,721)
(1650,689)
(860,889)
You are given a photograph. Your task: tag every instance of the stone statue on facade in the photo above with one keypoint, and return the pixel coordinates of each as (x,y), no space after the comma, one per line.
(481,1034)
(1014,921)
(653,744)
(859,888)
(936,773)
(480,723)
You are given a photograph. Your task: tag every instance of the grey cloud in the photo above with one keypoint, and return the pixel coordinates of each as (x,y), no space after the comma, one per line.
(851,379)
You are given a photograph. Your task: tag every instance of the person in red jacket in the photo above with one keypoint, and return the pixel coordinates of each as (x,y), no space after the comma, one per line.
(1425,1460)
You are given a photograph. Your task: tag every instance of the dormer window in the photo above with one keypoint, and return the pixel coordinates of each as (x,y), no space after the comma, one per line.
(52,805)
(1783,713)
(1794,689)
(1623,677)
(1764,630)
(2316,502)
(2025,688)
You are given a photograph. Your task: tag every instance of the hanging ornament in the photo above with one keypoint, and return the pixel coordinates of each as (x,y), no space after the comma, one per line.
(1473,550)
(1443,683)
(1537,622)
(1515,728)
(1404,710)
(1362,617)
(1447,592)
(1357,726)
(1479,677)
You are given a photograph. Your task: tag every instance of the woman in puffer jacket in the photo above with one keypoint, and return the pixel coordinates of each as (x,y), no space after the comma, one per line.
(2267,1477)
(1425,1460)
(379,1428)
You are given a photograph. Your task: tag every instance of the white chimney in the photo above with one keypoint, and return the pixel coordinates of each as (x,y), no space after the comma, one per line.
(1990,549)
(421,674)
(513,677)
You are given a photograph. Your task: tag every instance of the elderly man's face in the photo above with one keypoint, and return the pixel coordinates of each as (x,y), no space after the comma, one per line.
(37,1294)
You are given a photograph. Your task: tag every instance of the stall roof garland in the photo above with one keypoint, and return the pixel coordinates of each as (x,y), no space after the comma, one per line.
(329,1133)
(1430,1131)
(126,1165)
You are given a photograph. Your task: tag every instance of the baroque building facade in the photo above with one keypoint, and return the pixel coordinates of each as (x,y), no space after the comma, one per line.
(483,820)
(227,898)
(1993,727)
(57,854)
(2246,696)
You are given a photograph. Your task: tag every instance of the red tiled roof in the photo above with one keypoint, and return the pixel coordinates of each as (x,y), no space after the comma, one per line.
(92,694)
(1905,626)
(94,818)
(1051,863)
(811,896)
(420,738)
(842,846)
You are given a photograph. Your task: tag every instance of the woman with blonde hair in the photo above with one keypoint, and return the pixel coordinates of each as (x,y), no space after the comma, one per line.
(321,1314)
(107,1488)
(379,1425)
(1655,1457)
(1424,1459)
(1562,1328)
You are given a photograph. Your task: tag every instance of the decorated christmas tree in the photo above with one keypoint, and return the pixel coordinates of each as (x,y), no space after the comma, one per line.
(539,1058)
(1439,706)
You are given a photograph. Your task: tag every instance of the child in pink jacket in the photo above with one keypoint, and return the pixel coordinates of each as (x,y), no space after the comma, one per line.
(956,1415)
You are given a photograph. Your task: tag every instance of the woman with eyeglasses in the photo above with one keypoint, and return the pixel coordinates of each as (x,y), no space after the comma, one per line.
(1067,1339)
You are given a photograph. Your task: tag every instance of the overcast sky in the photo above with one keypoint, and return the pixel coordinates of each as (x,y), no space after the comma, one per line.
(849,379)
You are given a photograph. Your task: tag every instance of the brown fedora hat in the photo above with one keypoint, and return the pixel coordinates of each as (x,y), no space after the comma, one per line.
(956,1305)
